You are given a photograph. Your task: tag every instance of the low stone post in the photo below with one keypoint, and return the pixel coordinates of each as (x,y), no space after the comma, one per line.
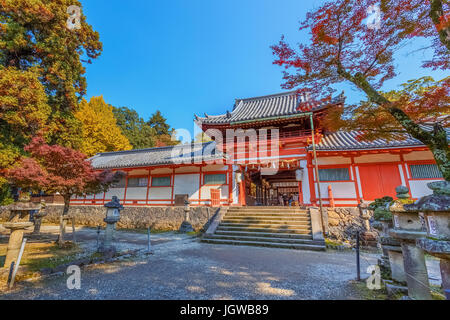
(38,216)
(112,217)
(186,226)
(17,223)
(368,237)
(435,209)
(407,228)
(391,260)
(15,240)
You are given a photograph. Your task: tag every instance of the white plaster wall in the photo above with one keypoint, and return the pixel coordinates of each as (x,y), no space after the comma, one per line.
(419,188)
(118,192)
(160,203)
(402,176)
(305,183)
(206,191)
(339,189)
(160,193)
(235,190)
(99,195)
(187,184)
(136,193)
(383,157)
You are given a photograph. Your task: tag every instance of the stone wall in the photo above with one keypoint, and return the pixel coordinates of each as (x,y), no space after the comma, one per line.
(343,223)
(158,218)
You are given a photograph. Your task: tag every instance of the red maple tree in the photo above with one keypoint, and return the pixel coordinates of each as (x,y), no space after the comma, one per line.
(343,47)
(57,169)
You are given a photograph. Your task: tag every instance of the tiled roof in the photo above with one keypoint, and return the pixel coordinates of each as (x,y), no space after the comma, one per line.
(157,156)
(265,107)
(342,140)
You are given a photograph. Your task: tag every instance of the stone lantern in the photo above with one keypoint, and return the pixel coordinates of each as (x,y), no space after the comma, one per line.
(112,217)
(368,237)
(391,260)
(17,223)
(186,226)
(408,227)
(435,209)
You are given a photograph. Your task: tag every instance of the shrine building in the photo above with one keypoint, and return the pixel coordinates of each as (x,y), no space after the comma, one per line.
(267,151)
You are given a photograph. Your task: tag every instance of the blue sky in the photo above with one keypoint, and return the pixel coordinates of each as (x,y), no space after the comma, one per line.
(196,56)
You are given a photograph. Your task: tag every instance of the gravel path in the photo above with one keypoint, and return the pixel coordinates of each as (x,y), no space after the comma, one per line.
(187,269)
(183,268)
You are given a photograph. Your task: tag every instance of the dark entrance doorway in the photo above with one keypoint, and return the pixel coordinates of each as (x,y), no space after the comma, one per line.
(281,189)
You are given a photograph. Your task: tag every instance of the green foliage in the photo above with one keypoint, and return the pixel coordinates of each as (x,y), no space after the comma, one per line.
(153,133)
(163,130)
(158,122)
(380,208)
(5,193)
(139,133)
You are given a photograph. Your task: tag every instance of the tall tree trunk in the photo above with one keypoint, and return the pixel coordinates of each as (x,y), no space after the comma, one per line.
(436,14)
(63,221)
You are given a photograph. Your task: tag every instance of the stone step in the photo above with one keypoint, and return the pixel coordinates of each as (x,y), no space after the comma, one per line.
(267,224)
(271,230)
(265,218)
(315,247)
(264,234)
(263,239)
(268,210)
(263,224)
(277,215)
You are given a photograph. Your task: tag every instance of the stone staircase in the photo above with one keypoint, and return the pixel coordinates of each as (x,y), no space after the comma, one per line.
(279,227)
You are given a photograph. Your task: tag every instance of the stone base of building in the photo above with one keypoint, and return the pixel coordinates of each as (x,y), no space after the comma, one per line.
(157,218)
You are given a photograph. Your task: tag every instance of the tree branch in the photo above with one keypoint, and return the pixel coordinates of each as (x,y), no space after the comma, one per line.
(436,13)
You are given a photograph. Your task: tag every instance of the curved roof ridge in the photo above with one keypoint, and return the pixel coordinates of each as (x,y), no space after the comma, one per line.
(269,96)
(150,149)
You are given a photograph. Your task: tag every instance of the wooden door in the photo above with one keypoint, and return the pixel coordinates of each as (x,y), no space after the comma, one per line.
(379,180)
(215,197)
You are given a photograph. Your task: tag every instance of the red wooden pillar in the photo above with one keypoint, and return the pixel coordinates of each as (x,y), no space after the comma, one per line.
(173,185)
(148,184)
(300,193)
(312,185)
(330,196)
(126,187)
(242,200)
(200,186)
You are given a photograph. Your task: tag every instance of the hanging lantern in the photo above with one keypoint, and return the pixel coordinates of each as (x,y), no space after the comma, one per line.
(238,177)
